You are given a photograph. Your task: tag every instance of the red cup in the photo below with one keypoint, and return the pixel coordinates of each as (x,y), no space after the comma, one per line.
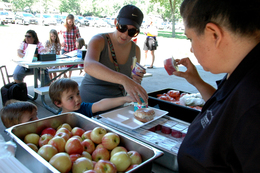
(170,66)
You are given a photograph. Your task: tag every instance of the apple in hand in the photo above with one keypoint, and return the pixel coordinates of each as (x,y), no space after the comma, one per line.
(87,155)
(105,166)
(33,146)
(77,131)
(131,167)
(63,135)
(74,146)
(97,134)
(86,134)
(110,140)
(63,129)
(65,125)
(88,145)
(121,160)
(100,154)
(47,151)
(32,138)
(117,149)
(58,143)
(61,161)
(49,130)
(44,139)
(82,164)
(135,157)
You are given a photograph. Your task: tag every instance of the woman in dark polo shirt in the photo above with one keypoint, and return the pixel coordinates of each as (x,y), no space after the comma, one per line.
(225,136)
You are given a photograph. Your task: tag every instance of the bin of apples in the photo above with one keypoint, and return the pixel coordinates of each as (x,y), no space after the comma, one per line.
(76,150)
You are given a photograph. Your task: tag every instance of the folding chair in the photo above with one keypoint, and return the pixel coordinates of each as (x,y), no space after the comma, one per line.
(5,76)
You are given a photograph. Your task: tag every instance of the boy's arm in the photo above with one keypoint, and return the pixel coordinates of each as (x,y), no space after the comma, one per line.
(109,103)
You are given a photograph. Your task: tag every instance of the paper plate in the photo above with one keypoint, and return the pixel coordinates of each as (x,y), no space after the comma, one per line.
(125,117)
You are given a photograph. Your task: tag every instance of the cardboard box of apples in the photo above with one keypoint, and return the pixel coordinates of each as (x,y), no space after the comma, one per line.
(74,143)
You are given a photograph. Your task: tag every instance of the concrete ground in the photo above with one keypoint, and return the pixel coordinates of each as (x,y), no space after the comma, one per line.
(160,79)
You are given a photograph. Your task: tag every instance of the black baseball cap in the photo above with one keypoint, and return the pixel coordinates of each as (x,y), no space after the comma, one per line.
(130,15)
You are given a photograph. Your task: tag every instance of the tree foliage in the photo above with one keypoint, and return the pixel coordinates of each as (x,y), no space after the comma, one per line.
(20,5)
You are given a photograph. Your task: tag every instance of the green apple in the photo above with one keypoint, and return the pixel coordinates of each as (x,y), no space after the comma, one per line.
(32,138)
(117,149)
(121,160)
(82,164)
(61,161)
(47,151)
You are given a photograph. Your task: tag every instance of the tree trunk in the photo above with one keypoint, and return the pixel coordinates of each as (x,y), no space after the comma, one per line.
(173,16)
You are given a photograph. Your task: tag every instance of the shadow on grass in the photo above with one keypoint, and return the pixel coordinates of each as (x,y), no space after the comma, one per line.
(168,34)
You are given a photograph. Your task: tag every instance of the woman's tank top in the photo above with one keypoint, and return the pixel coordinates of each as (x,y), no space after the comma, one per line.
(93,89)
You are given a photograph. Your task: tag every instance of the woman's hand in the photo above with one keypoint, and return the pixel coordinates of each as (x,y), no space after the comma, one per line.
(138,77)
(135,90)
(191,74)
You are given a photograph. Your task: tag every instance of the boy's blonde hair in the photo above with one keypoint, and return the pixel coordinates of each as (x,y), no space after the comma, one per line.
(12,113)
(59,86)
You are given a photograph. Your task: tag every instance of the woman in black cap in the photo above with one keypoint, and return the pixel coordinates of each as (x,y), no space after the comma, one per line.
(109,74)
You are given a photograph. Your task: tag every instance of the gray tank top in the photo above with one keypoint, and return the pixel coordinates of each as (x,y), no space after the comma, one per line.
(93,89)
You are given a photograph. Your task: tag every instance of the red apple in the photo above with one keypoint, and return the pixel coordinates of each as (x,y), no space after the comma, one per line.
(135,157)
(176,133)
(99,146)
(65,125)
(63,135)
(77,131)
(32,138)
(63,129)
(100,153)
(74,157)
(82,164)
(121,160)
(44,139)
(105,166)
(130,167)
(118,149)
(97,134)
(110,140)
(61,161)
(78,137)
(47,151)
(88,145)
(58,143)
(33,146)
(87,155)
(86,134)
(166,130)
(74,146)
(49,130)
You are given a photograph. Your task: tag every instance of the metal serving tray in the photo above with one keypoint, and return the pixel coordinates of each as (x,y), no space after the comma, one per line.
(177,111)
(36,163)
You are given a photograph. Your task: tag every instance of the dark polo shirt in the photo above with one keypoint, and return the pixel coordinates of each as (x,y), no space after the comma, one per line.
(225,136)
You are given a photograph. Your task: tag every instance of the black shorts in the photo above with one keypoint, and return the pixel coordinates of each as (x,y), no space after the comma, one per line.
(149,43)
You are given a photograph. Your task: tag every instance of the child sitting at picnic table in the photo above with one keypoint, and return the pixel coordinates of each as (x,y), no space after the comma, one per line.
(15,112)
(64,93)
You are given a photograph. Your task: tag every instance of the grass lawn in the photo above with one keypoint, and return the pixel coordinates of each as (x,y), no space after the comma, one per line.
(168,34)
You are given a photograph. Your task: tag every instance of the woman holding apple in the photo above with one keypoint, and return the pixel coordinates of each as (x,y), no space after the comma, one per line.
(225,37)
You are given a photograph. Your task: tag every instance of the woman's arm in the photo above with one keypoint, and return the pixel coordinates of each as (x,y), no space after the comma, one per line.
(20,53)
(109,103)
(93,67)
(192,76)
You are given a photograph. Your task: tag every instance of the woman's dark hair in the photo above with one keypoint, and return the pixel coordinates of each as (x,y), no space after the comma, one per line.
(239,16)
(71,17)
(34,35)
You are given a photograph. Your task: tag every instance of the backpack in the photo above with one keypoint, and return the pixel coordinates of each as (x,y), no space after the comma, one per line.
(14,90)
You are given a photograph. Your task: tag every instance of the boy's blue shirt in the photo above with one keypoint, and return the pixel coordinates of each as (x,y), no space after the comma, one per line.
(85,109)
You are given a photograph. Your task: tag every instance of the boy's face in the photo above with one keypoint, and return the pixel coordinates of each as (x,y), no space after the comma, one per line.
(29,116)
(70,101)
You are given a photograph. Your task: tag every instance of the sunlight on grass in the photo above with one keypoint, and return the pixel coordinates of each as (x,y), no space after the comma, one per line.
(168,34)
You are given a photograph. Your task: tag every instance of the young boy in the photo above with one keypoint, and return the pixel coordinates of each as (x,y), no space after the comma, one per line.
(16,112)
(64,93)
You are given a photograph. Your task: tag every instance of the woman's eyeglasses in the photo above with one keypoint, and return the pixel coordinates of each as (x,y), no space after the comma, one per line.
(28,36)
(131,32)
